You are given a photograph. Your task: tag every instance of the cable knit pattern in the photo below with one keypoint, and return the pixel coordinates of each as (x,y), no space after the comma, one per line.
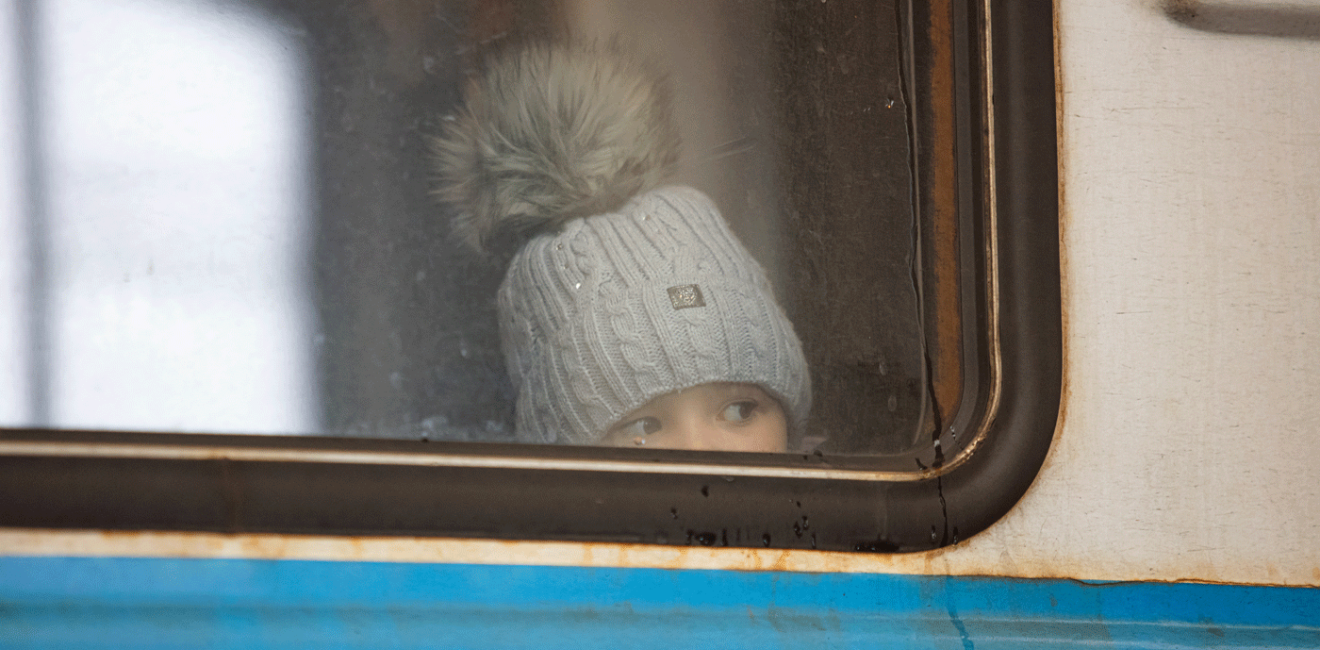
(590,332)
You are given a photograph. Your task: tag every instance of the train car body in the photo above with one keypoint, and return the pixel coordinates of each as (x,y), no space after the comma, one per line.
(1178,506)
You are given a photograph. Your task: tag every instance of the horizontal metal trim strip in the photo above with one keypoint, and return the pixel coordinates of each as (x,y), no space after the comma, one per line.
(423,459)
(147,603)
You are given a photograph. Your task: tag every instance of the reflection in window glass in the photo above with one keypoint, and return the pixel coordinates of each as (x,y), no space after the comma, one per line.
(176,200)
(242,236)
(13,384)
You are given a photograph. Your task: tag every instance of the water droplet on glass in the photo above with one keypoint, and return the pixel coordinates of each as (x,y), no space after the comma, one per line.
(577,285)
(639,441)
(893,403)
(765,540)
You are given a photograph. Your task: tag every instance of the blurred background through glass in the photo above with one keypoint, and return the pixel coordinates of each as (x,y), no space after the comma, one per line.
(214,214)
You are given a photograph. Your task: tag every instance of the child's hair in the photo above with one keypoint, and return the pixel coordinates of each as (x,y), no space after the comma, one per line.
(616,293)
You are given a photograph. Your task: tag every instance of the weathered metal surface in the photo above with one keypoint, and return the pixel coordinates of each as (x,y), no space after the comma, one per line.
(1191,243)
(1273,18)
(1191,246)
(112,603)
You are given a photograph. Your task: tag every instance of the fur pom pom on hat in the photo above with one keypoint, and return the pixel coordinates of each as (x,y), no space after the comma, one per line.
(551,133)
(618,295)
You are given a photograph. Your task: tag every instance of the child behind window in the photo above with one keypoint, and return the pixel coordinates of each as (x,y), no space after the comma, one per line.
(628,315)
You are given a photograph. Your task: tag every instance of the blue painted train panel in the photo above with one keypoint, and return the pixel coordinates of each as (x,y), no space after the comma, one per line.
(253,604)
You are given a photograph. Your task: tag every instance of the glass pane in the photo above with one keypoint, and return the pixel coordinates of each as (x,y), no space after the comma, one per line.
(13,254)
(171,212)
(231,223)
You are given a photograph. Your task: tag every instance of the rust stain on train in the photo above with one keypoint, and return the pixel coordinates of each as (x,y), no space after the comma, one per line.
(947,561)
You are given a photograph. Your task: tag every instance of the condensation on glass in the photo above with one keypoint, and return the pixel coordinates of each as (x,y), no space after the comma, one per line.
(221,221)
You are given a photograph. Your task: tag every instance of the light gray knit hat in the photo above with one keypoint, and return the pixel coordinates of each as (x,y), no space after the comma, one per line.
(620,308)
(618,295)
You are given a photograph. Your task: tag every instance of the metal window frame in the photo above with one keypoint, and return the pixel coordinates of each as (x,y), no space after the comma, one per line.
(288,485)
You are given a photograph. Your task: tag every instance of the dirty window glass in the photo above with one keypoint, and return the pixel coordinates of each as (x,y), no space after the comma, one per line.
(223,214)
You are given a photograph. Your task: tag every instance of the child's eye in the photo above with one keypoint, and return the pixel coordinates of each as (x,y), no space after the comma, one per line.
(739,411)
(639,427)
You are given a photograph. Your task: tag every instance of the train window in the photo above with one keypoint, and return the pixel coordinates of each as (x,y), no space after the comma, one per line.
(238,217)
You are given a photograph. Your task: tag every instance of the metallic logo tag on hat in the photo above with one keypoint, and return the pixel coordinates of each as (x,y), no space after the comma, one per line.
(686,295)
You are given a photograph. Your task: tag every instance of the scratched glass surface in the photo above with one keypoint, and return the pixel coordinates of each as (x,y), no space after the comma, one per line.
(215,215)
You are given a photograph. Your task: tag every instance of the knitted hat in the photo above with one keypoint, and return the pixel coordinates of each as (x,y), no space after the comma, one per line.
(615,297)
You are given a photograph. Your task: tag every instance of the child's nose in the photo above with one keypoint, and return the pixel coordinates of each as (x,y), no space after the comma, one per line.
(700,434)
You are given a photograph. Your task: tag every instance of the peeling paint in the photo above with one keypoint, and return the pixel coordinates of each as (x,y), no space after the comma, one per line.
(952,561)
(1131,468)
